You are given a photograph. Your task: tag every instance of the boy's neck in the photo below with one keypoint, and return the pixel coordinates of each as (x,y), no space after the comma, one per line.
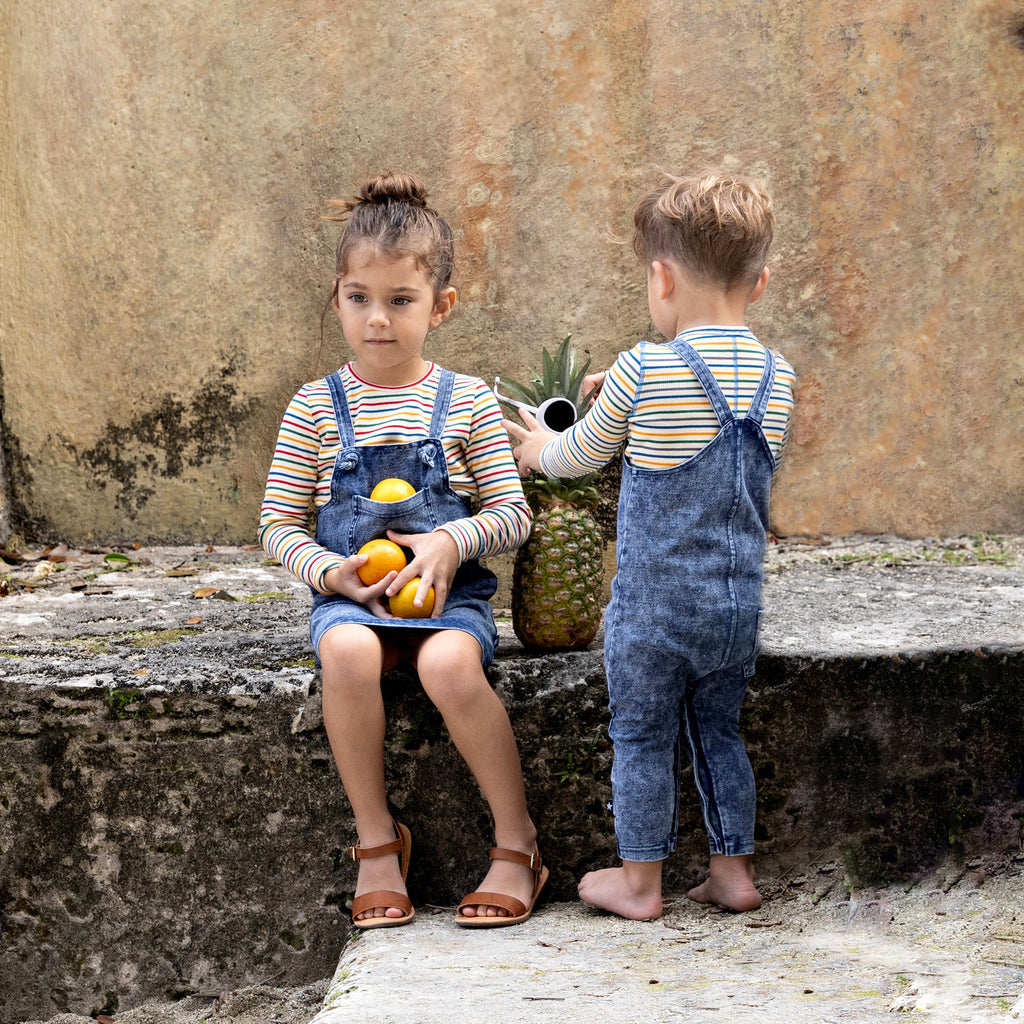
(706,306)
(682,303)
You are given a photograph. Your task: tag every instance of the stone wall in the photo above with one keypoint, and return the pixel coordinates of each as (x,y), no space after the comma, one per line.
(164,260)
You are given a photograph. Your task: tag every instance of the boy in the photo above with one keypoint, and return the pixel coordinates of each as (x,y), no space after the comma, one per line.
(704,420)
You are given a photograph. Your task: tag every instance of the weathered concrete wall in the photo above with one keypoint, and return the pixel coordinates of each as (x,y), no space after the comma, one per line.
(164,261)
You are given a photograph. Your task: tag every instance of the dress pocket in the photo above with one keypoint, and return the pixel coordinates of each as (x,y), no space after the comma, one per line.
(371,519)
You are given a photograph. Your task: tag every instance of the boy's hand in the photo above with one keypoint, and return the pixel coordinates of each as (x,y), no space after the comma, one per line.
(532,439)
(592,384)
(343,579)
(435,559)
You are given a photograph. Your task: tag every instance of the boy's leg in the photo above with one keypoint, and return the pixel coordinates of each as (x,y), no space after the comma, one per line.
(725,784)
(353,659)
(644,690)
(449,668)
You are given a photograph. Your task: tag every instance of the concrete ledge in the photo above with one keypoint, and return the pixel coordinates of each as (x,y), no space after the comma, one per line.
(171,821)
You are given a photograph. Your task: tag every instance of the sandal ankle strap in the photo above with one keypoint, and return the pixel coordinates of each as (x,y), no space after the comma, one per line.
(528,860)
(358,852)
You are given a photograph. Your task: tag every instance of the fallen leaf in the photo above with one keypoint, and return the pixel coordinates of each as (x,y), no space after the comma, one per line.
(194,621)
(204,592)
(182,572)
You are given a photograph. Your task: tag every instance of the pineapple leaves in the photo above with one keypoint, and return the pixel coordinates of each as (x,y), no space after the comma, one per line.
(561,377)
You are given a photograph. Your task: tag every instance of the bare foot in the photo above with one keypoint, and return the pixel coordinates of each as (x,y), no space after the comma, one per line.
(380,873)
(509,879)
(632,891)
(730,884)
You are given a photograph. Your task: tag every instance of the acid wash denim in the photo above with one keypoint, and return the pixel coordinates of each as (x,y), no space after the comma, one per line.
(349,519)
(681,634)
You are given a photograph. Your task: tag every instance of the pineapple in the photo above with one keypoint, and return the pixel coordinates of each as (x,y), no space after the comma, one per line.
(557,583)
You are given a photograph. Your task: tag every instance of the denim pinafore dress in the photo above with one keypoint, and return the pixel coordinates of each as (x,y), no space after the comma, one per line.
(350,519)
(681,629)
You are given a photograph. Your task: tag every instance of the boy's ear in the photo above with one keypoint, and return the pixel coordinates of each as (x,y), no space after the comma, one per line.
(762,283)
(662,279)
(443,307)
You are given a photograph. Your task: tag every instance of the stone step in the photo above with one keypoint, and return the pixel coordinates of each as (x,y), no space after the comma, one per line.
(171,819)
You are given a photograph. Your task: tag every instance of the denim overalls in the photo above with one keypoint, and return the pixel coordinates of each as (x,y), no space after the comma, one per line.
(350,519)
(681,629)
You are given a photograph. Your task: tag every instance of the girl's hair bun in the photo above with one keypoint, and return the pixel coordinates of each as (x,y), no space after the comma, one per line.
(391,187)
(382,190)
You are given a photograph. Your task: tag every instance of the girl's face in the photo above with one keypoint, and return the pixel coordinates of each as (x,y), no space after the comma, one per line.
(386,305)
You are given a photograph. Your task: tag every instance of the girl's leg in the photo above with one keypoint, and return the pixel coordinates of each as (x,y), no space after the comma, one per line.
(725,783)
(353,658)
(449,668)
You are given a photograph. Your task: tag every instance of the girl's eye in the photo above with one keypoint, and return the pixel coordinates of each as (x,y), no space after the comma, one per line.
(401,300)
(356,297)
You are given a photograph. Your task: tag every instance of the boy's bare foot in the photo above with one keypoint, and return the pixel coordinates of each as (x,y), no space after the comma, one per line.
(730,884)
(380,873)
(632,891)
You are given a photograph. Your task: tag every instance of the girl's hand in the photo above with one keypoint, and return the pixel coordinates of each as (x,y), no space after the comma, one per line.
(435,559)
(592,384)
(532,439)
(343,579)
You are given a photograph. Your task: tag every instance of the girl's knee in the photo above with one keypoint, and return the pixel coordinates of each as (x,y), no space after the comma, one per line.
(449,668)
(347,652)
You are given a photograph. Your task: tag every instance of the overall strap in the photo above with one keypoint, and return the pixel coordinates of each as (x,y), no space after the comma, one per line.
(346,432)
(693,359)
(759,403)
(442,401)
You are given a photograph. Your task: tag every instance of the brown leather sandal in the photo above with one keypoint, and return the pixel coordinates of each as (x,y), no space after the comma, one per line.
(516,910)
(384,897)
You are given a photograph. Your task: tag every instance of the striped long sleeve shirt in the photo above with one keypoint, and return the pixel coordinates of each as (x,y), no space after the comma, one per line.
(479,459)
(652,401)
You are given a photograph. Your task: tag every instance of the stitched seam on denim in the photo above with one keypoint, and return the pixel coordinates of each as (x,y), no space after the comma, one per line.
(696,748)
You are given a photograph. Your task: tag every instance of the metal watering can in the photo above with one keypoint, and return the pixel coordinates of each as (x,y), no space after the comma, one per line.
(553,414)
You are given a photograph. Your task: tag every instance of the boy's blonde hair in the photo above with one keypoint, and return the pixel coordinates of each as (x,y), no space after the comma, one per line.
(717,228)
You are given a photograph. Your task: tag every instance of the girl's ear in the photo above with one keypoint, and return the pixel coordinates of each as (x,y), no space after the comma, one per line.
(443,307)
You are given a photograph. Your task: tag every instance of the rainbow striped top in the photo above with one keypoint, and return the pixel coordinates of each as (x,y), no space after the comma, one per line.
(652,401)
(479,458)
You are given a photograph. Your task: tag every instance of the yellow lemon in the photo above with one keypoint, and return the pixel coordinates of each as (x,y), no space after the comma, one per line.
(392,489)
(385,555)
(401,604)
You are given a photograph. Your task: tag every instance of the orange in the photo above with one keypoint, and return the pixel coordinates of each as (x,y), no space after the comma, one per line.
(385,555)
(392,489)
(401,604)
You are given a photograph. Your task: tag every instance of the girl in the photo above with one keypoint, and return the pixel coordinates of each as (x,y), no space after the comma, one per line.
(390,413)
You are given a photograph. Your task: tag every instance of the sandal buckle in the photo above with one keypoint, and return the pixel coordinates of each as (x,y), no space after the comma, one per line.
(352,853)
